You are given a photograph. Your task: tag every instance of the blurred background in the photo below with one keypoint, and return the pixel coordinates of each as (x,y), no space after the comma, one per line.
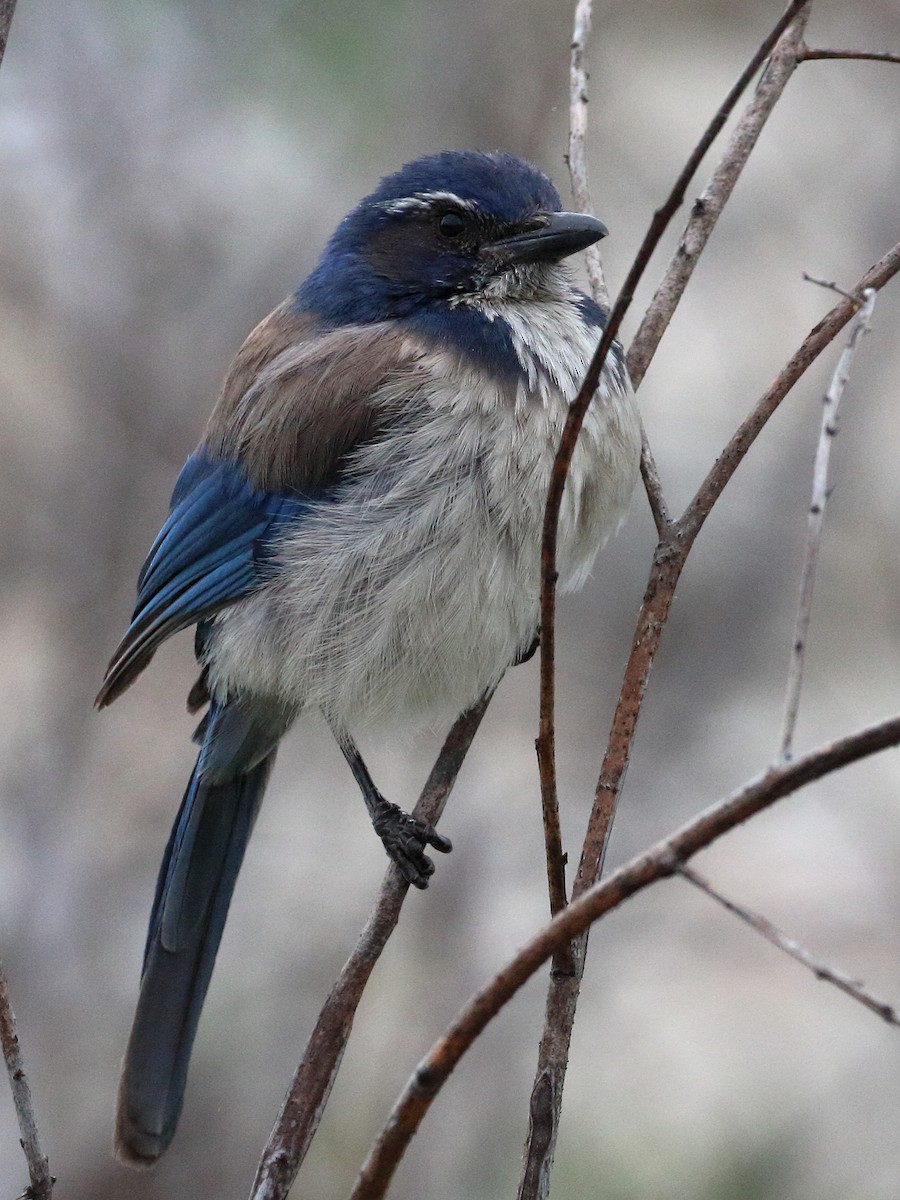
(168,172)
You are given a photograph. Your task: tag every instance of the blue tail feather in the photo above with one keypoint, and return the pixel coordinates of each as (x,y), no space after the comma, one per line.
(196,882)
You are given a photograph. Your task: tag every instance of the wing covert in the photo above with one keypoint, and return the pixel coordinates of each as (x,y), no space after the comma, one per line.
(207,555)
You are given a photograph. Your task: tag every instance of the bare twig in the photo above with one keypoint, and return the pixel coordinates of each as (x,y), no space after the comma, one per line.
(790,946)
(809,55)
(668,563)
(305,1102)
(815,342)
(661,218)
(41,1181)
(831,286)
(816,519)
(546,748)
(796,11)
(563,991)
(578,102)
(7,8)
(662,517)
(708,206)
(659,862)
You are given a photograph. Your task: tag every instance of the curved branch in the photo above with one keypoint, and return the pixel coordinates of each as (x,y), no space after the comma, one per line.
(659,862)
(770,88)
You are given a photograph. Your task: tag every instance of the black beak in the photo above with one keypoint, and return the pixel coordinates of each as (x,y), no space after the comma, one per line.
(564,233)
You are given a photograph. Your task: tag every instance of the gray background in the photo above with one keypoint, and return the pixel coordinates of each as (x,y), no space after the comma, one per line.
(168,171)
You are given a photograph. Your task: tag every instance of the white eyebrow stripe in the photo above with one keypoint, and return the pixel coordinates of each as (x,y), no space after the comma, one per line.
(423,201)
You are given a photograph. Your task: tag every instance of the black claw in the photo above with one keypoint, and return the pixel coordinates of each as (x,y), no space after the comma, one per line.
(405,839)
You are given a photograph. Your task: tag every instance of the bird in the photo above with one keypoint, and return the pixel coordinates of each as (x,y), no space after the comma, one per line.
(357,535)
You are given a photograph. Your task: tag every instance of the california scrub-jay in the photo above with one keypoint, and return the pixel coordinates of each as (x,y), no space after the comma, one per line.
(358,532)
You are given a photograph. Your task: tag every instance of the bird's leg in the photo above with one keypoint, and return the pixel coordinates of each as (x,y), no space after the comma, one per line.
(404,837)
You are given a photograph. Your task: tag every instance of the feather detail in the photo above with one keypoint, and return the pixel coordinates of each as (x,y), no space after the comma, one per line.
(210,552)
(418,585)
(310,401)
(193,892)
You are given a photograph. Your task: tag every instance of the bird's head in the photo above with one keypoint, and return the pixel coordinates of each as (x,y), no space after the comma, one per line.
(457,225)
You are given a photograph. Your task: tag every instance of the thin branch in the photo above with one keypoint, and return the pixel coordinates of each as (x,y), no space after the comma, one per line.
(553,847)
(662,517)
(659,862)
(565,982)
(831,287)
(41,1181)
(546,744)
(7,8)
(671,555)
(791,947)
(809,55)
(578,102)
(816,341)
(708,206)
(305,1102)
(816,519)
(673,550)
(770,88)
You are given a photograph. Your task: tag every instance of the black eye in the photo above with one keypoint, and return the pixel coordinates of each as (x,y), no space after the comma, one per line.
(451,224)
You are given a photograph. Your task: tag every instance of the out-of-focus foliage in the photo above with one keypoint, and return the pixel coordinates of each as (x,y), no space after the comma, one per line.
(167,172)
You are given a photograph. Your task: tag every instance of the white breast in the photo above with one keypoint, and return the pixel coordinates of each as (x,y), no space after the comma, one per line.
(412,593)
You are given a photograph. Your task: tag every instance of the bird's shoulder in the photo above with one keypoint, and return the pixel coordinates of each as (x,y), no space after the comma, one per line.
(300,396)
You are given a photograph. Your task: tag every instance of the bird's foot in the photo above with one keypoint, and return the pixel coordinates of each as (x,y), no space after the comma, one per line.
(405,839)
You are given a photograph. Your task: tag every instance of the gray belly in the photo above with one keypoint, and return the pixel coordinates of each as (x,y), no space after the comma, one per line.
(411,593)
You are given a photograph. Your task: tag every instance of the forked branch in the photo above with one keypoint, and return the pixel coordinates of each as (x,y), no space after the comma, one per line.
(562,997)
(659,862)
(792,948)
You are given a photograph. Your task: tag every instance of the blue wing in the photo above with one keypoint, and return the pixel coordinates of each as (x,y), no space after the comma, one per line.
(208,554)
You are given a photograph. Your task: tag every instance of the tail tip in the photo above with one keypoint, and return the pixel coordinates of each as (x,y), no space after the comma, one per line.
(137,1147)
